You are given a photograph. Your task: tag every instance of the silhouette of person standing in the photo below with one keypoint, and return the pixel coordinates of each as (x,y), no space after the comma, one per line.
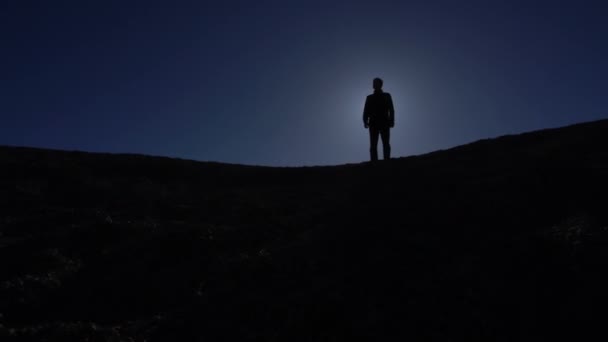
(379,117)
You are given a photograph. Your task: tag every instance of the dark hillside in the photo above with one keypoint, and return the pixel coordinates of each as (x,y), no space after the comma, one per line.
(503,239)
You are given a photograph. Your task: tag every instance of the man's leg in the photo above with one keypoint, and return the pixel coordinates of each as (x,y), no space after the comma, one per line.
(385,133)
(373,143)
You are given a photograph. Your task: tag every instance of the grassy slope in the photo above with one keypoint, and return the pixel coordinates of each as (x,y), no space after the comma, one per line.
(502,239)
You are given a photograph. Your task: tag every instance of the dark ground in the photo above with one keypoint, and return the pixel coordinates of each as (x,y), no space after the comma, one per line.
(499,240)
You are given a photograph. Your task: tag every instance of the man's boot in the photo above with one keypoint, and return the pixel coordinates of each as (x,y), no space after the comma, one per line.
(387,152)
(373,154)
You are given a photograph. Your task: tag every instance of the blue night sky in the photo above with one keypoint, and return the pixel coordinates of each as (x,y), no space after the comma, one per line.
(284,82)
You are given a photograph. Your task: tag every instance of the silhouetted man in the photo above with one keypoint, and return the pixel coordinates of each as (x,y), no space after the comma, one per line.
(379,117)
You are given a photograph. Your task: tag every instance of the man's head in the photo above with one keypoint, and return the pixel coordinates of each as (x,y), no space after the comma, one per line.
(377,83)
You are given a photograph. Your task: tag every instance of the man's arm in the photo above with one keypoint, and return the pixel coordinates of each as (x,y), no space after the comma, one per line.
(366,113)
(391,111)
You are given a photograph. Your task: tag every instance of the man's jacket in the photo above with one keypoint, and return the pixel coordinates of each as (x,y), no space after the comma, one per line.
(379,111)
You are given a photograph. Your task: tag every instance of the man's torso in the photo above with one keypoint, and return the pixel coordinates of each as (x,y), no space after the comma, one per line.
(378,109)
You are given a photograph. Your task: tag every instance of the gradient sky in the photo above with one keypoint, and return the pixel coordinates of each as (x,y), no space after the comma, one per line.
(283,82)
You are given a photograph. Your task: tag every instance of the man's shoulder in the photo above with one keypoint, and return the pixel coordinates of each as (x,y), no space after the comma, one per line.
(385,94)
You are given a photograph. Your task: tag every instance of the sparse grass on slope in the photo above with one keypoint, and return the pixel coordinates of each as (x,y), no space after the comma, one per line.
(503,239)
